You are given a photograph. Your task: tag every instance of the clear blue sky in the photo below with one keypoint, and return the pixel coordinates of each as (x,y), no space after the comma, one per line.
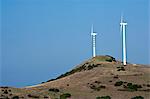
(41,39)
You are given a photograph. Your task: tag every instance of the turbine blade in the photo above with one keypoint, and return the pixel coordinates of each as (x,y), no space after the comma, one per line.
(92,30)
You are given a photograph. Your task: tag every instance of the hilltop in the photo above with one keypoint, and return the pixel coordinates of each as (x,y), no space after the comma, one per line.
(101,77)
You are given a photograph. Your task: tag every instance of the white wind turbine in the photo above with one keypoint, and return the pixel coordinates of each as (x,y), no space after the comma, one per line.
(123,25)
(93,34)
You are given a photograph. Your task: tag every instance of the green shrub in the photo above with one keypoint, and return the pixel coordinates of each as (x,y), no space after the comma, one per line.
(138,97)
(90,67)
(116,77)
(110,80)
(98,97)
(50,80)
(45,96)
(121,68)
(125,82)
(65,96)
(9,90)
(106,58)
(54,89)
(98,82)
(5,92)
(133,87)
(109,60)
(83,67)
(119,83)
(148,85)
(129,84)
(97,88)
(103,97)
(102,86)
(15,97)
(94,87)
(33,96)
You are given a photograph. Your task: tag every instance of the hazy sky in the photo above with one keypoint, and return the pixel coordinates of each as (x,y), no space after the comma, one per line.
(41,39)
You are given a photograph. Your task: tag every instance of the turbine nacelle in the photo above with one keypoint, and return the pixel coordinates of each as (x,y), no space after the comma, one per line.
(123,23)
(94,34)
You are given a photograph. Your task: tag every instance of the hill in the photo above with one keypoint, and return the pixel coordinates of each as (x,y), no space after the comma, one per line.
(101,77)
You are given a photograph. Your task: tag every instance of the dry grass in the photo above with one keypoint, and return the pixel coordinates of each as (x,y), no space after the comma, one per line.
(105,73)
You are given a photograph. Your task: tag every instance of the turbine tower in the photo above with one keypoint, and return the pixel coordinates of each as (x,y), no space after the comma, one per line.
(123,25)
(93,34)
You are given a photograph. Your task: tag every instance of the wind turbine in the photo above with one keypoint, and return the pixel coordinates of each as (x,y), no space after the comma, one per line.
(93,34)
(123,25)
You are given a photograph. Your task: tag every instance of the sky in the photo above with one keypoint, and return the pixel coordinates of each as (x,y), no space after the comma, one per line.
(41,39)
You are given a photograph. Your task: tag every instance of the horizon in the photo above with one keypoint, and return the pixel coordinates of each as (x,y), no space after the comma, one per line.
(42,39)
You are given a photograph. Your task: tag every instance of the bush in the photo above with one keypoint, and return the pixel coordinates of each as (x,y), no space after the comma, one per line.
(45,96)
(54,89)
(10,94)
(83,67)
(133,87)
(116,77)
(33,96)
(5,92)
(90,67)
(102,86)
(98,82)
(119,83)
(98,97)
(97,88)
(129,84)
(93,87)
(15,97)
(104,97)
(9,90)
(121,68)
(50,80)
(110,81)
(109,60)
(5,87)
(138,97)
(65,95)
(148,85)
(125,82)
